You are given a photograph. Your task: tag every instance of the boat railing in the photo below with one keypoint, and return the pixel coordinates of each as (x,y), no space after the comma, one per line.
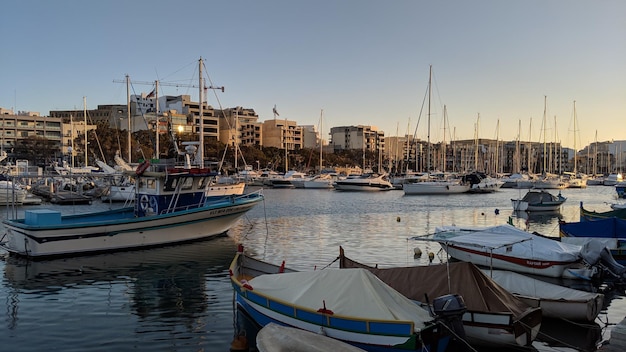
(221,200)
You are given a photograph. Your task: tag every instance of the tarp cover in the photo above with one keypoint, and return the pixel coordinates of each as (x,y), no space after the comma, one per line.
(348,292)
(277,338)
(480,293)
(505,240)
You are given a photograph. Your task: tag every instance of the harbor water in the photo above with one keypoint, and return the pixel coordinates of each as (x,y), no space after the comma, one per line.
(179,298)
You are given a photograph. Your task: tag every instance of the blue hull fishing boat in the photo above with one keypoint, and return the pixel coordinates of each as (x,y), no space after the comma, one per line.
(609,232)
(172,205)
(350,305)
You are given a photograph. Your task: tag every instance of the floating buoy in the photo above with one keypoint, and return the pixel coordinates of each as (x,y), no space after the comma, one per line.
(240,343)
(417,252)
(482,214)
(497,211)
(398,219)
(431,256)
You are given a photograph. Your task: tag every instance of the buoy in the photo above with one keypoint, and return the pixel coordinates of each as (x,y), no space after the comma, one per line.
(398,219)
(417,251)
(240,343)
(431,256)
(497,211)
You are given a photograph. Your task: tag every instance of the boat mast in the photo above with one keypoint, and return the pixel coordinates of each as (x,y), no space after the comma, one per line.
(575,151)
(156,114)
(430,71)
(201,113)
(445,115)
(497,160)
(128,115)
(544,133)
(476,143)
(85,122)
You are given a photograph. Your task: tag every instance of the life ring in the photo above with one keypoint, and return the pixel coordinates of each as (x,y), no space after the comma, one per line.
(144,202)
(142,168)
(154,205)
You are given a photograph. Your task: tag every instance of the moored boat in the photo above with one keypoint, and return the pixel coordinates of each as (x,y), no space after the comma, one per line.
(364,182)
(278,338)
(169,207)
(610,232)
(509,248)
(555,301)
(539,201)
(349,305)
(494,317)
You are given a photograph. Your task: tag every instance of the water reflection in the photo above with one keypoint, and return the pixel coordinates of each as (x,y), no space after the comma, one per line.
(171,282)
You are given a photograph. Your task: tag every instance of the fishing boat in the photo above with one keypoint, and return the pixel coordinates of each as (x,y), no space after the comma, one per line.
(538,201)
(364,182)
(592,215)
(494,317)
(170,206)
(509,248)
(555,301)
(610,232)
(352,306)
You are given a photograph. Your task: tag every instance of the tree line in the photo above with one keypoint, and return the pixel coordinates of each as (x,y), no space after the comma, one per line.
(106,141)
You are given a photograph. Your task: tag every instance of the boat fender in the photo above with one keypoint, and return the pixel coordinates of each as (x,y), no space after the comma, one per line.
(282,268)
(142,168)
(144,202)
(431,256)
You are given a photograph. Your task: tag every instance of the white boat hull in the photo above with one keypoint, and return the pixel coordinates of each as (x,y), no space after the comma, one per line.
(118,234)
(521,265)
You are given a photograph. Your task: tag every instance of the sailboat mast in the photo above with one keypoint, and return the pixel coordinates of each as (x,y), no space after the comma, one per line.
(201,113)
(476,143)
(156,114)
(544,133)
(85,126)
(128,113)
(445,115)
(321,124)
(575,151)
(430,73)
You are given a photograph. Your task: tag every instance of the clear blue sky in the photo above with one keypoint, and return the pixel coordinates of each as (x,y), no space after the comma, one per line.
(361,61)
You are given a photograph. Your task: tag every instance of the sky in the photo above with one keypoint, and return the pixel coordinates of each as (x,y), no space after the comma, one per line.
(500,68)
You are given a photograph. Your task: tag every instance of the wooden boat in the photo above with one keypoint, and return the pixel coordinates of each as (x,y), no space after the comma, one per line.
(365,182)
(278,338)
(494,317)
(349,305)
(509,248)
(610,232)
(164,213)
(539,201)
(554,300)
(590,215)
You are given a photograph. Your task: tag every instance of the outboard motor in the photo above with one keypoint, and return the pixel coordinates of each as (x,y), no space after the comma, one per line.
(595,252)
(449,309)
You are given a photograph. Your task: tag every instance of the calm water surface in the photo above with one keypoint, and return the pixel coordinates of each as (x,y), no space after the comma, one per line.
(179,298)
